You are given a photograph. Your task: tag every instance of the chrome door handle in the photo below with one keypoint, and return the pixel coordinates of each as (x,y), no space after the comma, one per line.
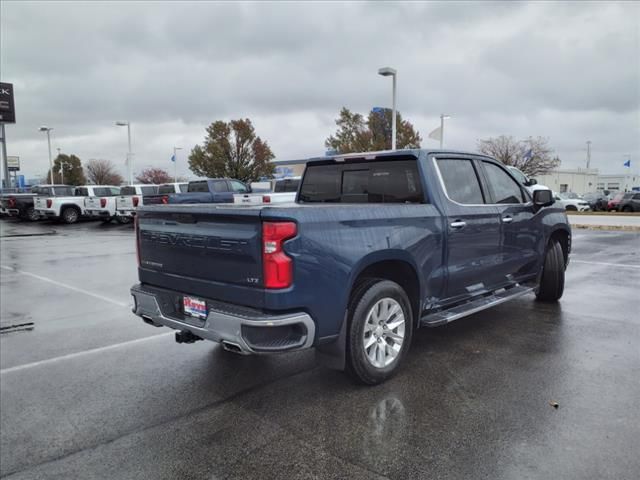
(507,219)
(458,224)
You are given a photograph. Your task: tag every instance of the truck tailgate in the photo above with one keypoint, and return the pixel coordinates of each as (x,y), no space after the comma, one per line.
(209,249)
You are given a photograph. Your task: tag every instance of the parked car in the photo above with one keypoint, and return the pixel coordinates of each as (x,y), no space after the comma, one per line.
(630,202)
(612,206)
(281,190)
(162,196)
(102,204)
(571,202)
(130,197)
(212,190)
(597,201)
(22,204)
(70,209)
(376,245)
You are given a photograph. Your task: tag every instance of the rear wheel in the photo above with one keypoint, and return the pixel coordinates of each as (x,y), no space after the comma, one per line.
(123,220)
(627,208)
(552,280)
(70,215)
(380,328)
(31,214)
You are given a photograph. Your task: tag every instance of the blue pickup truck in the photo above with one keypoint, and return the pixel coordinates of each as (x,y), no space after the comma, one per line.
(211,190)
(377,245)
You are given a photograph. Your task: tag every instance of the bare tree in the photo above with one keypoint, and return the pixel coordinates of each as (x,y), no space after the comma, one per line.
(102,172)
(533,156)
(154,175)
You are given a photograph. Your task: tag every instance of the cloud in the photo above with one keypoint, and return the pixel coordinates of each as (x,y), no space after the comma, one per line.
(566,70)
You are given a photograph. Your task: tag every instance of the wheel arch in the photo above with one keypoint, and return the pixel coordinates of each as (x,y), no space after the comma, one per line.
(563,236)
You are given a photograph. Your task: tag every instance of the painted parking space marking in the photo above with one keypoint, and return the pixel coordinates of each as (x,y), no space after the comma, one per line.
(621,265)
(65,285)
(70,356)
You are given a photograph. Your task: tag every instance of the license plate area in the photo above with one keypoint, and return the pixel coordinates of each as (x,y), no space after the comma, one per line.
(194,307)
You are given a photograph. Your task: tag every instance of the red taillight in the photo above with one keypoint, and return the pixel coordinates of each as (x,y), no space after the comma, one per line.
(165,199)
(12,202)
(135,201)
(266,199)
(103,202)
(49,202)
(277,266)
(136,224)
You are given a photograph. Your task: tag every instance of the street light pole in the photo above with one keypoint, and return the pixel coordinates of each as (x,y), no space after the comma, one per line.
(175,163)
(588,153)
(443,117)
(129,153)
(386,72)
(48,130)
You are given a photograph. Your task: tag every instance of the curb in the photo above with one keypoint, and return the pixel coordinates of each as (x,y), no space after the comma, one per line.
(620,228)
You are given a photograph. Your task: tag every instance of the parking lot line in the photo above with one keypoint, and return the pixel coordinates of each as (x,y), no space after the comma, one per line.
(623,265)
(69,356)
(64,285)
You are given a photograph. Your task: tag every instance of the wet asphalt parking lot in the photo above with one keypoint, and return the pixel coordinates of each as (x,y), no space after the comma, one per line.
(90,391)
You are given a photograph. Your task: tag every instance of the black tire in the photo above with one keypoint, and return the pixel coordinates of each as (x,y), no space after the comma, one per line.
(551,285)
(70,215)
(32,215)
(367,294)
(627,208)
(571,208)
(123,220)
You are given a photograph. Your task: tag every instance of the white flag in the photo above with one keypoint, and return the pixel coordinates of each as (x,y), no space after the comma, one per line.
(436,134)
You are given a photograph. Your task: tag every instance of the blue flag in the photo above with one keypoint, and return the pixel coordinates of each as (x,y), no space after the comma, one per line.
(173,158)
(628,163)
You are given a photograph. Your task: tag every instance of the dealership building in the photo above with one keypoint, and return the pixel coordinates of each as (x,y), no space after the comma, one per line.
(583,180)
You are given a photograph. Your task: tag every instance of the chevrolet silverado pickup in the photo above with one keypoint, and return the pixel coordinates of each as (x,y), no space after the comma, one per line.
(162,195)
(70,209)
(212,190)
(22,204)
(376,245)
(102,204)
(281,190)
(130,197)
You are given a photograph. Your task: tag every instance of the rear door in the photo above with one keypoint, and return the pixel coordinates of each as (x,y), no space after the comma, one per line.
(473,230)
(520,239)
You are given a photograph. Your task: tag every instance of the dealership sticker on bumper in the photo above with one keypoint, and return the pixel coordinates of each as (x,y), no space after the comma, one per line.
(195,307)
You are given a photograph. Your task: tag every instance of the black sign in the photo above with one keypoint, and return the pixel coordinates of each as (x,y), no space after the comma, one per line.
(7,107)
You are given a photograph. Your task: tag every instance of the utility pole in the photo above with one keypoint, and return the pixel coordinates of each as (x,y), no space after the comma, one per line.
(5,169)
(588,153)
(175,163)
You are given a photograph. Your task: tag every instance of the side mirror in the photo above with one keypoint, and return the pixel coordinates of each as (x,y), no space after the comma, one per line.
(532,181)
(542,198)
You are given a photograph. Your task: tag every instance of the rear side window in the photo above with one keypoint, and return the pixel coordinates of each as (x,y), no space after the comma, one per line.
(184,187)
(238,187)
(82,192)
(150,190)
(504,188)
(198,187)
(166,189)
(461,181)
(390,181)
(220,187)
(106,191)
(63,191)
(288,185)
(128,191)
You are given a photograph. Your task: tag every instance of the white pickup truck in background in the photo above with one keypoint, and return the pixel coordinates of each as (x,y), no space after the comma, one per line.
(102,204)
(281,190)
(70,209)
(129,199)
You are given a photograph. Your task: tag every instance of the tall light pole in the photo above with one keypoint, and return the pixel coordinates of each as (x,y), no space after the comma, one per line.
(44,128)
(443,117)
(386,72)
(129,154)
(175,163)
(61,167)
(588,153)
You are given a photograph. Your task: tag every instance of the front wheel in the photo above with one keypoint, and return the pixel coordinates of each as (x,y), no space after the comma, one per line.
(380,328)
(552,280)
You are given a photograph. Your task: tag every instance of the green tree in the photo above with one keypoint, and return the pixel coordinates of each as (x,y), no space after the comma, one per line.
(533,155)
(232,149)
(67,169)
(357,134)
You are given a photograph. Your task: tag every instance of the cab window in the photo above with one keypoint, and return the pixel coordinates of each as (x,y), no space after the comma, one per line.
(504,189)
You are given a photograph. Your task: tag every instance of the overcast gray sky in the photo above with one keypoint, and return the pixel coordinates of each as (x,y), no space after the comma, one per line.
(569,71)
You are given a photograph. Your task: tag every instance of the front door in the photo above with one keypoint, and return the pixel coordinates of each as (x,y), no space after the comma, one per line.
(520,236)
(473,231)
